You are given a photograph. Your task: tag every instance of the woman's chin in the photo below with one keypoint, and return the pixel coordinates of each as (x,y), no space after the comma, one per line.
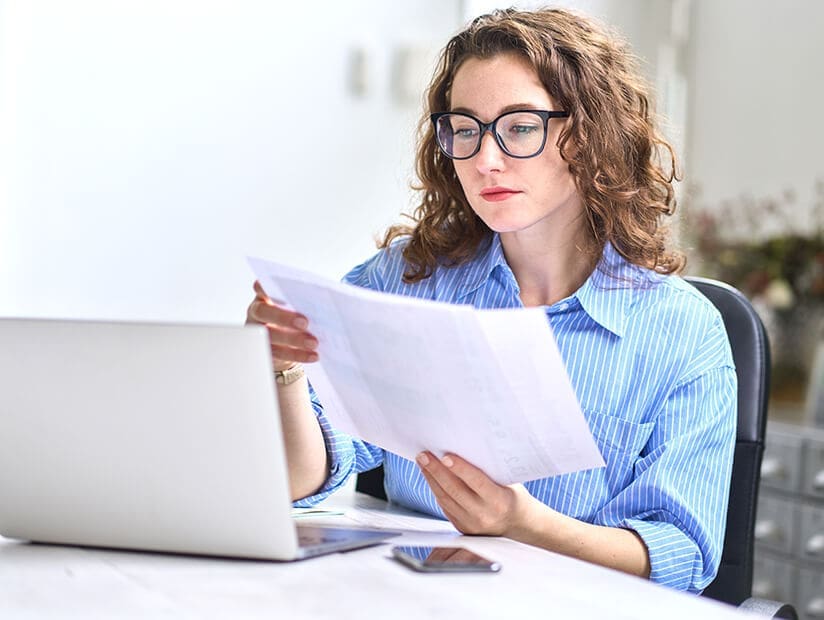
(507,225)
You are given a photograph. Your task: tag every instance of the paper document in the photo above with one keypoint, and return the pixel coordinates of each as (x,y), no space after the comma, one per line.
(410,375)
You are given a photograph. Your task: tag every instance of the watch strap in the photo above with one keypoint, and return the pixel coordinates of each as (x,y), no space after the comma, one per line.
(290,375)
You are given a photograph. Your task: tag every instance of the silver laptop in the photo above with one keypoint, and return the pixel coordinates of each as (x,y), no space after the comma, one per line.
(148,436)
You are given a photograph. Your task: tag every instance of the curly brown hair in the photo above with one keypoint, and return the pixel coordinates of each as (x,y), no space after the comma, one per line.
(623,168)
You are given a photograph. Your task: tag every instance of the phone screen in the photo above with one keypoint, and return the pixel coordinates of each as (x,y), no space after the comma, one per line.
(444,559)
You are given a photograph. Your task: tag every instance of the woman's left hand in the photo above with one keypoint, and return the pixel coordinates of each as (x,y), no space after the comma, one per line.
(472,501)
(476,504)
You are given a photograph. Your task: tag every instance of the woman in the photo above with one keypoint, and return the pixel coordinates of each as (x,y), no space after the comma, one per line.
(541,186)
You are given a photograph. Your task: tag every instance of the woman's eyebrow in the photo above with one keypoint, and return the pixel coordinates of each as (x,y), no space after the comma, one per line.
(509,108)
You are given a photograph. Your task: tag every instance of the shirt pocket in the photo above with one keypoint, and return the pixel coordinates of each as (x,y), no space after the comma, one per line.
(620,442)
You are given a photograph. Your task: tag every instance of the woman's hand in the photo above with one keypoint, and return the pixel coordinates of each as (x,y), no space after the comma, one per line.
(476,504)
(472,501)
(290,341)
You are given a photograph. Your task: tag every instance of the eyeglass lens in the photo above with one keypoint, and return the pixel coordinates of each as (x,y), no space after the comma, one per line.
(519,133)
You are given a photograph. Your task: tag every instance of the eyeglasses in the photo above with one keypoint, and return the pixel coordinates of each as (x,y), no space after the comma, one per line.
(520,133)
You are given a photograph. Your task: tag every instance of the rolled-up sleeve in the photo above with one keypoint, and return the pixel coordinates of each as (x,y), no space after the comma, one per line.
(346,456)
(677,501)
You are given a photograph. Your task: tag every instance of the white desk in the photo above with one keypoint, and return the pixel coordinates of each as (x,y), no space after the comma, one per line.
(43,581)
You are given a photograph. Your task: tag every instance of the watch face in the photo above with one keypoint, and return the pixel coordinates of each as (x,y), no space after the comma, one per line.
(290,375)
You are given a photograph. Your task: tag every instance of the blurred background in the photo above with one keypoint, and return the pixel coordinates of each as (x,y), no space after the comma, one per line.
(148,146)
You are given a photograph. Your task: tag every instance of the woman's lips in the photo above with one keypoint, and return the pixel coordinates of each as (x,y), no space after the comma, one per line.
(497,194)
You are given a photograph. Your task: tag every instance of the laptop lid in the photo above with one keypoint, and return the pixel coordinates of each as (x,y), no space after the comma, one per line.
(145,436)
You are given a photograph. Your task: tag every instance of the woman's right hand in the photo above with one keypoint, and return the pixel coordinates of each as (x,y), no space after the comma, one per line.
(290,341)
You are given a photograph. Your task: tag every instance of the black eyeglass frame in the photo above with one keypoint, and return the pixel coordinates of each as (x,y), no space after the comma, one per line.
(491,127)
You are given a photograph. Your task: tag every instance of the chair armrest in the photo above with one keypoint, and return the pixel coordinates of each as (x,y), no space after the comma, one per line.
(769,609)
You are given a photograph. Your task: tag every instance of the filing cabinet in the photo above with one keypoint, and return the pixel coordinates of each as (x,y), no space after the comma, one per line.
(776,524)
(781,466)
(789,531)
(810,593)
(774,577)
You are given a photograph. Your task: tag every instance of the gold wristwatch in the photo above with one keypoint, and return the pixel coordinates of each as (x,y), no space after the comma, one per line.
(290,375)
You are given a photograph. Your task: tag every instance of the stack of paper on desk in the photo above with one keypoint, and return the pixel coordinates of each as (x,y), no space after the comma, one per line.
(411,375)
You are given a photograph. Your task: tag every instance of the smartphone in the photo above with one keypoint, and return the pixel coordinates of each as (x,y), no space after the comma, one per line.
(444,559)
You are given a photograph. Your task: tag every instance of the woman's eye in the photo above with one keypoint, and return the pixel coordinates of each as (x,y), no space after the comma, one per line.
(465,135)
(465,132)
(523,130)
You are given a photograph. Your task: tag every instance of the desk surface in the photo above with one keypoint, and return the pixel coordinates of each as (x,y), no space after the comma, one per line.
(45,581)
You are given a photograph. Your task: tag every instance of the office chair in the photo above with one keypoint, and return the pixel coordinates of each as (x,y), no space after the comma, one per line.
(371,483)
(751,354)
(750,349)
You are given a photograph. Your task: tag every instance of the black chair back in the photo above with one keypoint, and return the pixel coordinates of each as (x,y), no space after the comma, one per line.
(371,483)
(751,353)
(750,349)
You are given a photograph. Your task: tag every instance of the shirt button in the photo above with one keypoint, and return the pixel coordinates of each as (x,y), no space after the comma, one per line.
(563,306)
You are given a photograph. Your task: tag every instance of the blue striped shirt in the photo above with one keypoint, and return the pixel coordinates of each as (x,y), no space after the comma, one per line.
(650,362)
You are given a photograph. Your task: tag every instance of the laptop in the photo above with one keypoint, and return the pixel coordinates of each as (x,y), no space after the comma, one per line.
(148,436)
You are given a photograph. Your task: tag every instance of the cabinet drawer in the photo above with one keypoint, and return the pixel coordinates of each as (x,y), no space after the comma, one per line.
(782,462)
(810,539)
(813,476)
(774,578)
(810,603)
(776,522)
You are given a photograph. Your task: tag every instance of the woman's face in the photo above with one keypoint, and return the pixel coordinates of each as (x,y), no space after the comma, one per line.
(514,195)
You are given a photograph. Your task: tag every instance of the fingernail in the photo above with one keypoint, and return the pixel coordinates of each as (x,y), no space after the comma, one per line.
(300,323)
(447,461)
(310,343)
(423,460)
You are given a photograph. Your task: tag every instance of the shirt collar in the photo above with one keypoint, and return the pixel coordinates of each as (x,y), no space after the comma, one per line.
(606,296)
(609,293)
(490,257)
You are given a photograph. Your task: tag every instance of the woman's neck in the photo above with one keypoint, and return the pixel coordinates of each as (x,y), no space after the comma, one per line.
(547,271)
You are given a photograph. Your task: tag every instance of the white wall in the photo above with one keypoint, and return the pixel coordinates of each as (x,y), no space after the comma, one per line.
(145,148)
(148,146)
(756,98)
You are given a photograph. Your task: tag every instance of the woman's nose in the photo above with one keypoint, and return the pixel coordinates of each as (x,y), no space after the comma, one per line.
(489,157)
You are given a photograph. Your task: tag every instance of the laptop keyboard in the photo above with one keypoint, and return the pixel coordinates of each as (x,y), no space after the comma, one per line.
(315,540)
(311,537)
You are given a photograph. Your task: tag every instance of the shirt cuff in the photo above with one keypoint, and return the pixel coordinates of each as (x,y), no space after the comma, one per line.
(675,560)
(341,455)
